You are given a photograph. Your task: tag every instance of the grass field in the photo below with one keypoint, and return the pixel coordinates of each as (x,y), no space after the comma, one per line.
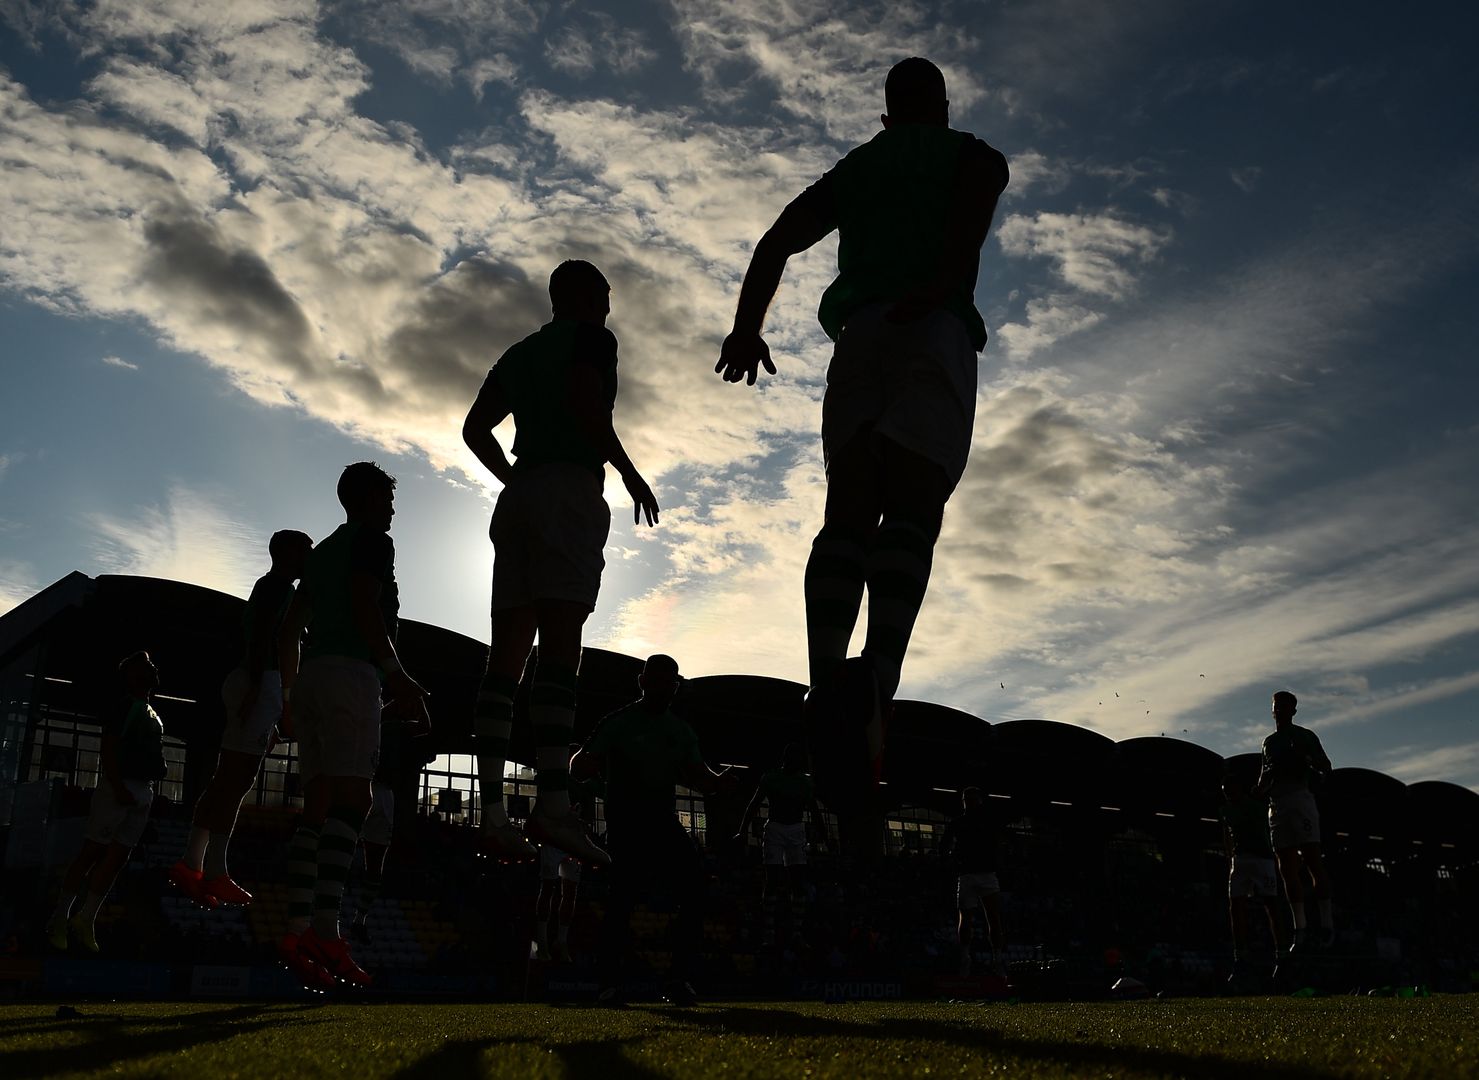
(1356,1037)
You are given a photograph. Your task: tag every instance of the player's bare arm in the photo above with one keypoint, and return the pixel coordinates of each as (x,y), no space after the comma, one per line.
(289,654)
(586,766)
(751,809)
(744,350)
(489,410)
(364,605)
(706,781)
(594,416)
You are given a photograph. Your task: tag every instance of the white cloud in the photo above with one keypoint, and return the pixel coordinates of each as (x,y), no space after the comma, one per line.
(1247,178)
(1048,320)
(1457,763)
(187,538)
(120,362)
(1095,253)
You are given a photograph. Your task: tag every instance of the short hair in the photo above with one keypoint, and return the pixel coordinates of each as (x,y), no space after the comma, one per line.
(660,662)
(1286,696)
(972,792)
(913,88)
(132,660)
(360,480)
(572,278)
(284,541)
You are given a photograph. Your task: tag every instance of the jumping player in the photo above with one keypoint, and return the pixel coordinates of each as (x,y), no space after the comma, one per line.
(349,603)
(1251,877)
(1292,757)
(791,797)
(132,761)
(973,840)
(642,751)
(252,695)
(549,530)
(912,207)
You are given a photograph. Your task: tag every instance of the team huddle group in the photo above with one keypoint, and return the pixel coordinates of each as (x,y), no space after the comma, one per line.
(912,208)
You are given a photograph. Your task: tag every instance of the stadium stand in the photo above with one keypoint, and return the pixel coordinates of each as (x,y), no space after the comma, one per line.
(1113,855)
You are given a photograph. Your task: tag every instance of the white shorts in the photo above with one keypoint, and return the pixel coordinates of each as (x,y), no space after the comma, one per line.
(380,821)
(554,863)
(549,537)
(250,734)
(972,889)
(110,822)
(336,710)
(1253,877)
(913,383)
(785,845)
(1293,820)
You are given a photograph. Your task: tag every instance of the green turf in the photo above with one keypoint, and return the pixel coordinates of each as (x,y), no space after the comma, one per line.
(1206,1038)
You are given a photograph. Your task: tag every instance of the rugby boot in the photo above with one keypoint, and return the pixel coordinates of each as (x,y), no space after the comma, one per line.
(567,832)
(84,931)
(309,973)
(333,956)
(191,884)
(505,843)
(226,891)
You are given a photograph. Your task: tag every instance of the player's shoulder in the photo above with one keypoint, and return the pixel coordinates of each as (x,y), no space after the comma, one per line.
(982,155)
(593,340)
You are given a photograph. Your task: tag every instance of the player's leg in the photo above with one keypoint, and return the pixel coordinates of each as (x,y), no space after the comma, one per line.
(796,890)
(99,882)
(1319,874)
(681,871)
(77,872)
(565,915)
(493,718)
(235,773)
(966,903)
(344,802)
(544,910)
(773,867)
(370,887)
(624,883)
(1291,873)
(995,932)
(914,490)
(552,710)
(837,568)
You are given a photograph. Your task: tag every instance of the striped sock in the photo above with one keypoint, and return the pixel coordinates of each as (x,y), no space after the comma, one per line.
(898,572)
(369,891)
(302,873)
(492,723)
(552,708)
(835,574)
(336,843)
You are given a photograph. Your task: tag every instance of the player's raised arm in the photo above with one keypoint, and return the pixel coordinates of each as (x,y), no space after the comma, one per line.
(802,223)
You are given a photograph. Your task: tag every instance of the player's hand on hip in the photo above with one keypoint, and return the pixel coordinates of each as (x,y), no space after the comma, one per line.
(740,357)
(643,500)
(402,687)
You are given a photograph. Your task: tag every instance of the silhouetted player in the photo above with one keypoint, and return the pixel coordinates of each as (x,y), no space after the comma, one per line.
(642,751)
(1251,876)
(549,532)
(1292,757)
(790,794)
(252,694)
(350,604)
(132,762)
(973,842)
(912,207)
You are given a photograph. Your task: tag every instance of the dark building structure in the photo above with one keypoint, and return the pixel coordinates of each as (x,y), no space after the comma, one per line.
(1108,843)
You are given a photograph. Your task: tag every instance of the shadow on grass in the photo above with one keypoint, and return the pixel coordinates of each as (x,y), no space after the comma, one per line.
(112,1038)
(463,1058)
(1081,1055)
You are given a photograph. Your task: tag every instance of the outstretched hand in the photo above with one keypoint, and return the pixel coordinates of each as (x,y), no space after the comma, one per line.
(643,500)
(740,357)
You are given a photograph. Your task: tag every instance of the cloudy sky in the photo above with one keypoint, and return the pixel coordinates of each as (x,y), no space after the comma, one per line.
(1225,417)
